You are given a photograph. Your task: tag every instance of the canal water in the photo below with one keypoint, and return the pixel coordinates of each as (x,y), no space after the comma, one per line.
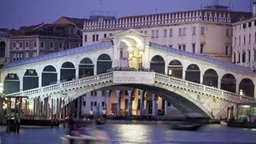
(142,132)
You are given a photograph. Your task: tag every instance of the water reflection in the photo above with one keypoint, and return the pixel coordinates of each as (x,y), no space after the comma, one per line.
(134,133)
(155,133)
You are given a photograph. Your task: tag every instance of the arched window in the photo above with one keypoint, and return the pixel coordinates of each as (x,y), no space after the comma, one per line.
(86,68)
(67,72)
(228,83)
(210,78)
(193,73)
(175,69)
(49,76)
(104,63)
(157,64)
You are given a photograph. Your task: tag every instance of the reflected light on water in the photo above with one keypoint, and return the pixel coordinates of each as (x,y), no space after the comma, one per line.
(134,133)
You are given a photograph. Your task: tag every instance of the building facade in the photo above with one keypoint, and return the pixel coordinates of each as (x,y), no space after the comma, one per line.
(244,41)
(206,32)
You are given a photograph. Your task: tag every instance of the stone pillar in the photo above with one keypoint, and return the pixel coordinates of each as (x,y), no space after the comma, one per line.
(118,98)
(141,103)
(165,107)
(154,105)
(78,108)
(57,108)
(34,107)
(130,103)
(219,82)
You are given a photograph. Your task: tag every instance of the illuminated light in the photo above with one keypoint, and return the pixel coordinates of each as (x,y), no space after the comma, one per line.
(245,106)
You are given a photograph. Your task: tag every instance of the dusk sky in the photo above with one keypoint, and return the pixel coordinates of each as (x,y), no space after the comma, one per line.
(16,13)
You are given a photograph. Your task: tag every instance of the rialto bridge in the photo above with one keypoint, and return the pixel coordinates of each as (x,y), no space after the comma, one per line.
(129,70)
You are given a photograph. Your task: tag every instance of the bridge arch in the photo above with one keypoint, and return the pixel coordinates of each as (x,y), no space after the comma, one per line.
(228,83)
(246,87)
(193,73)
(86,68)
(104,63)
(157,64)
(11,83)
(210,78)
(49,75)
(30,79)
(67,71)
(175,69)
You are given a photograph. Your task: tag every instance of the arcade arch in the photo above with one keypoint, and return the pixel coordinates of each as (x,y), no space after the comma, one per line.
(104,63)
(193,73)
(86,68)
(49,75)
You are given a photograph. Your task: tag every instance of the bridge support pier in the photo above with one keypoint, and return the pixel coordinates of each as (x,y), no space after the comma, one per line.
(118,103)
(141,103)
(130,103)
(154,105)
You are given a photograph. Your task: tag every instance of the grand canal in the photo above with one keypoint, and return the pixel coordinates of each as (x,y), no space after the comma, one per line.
(142,132)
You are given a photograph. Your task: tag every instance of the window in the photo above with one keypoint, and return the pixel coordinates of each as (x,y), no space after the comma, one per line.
(170,33)
(26,44)
(249,38)
(227,32)
(239,40)
(153,33)
(157,33)
(193,48)
(103,93)
(202,30)
(227,50)
(51,45)
(244,26)
(244,39)
(97,37)
(93,37)
(249,55)
(85,38)
(21,44)
(14,44)
(249,24)
(234,57)
(105,35)
(180,31)
(201,48)
(235,41)
(243,57)
(184,47)
(165,32)
(34,44)
(179,47)
(42,44)
(61,45)
(194,31)
(84,103)
(184,32)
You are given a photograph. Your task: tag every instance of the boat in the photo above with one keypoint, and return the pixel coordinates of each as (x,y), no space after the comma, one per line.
(239,124)
(186,126)
(100,120)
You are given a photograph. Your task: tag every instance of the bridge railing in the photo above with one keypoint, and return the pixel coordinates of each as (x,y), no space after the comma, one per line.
(184,84)
(64,85)
(175,82)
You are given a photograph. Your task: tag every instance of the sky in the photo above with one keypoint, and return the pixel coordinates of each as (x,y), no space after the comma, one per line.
(17,13)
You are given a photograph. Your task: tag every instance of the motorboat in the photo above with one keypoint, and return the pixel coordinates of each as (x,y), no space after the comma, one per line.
(186,126)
